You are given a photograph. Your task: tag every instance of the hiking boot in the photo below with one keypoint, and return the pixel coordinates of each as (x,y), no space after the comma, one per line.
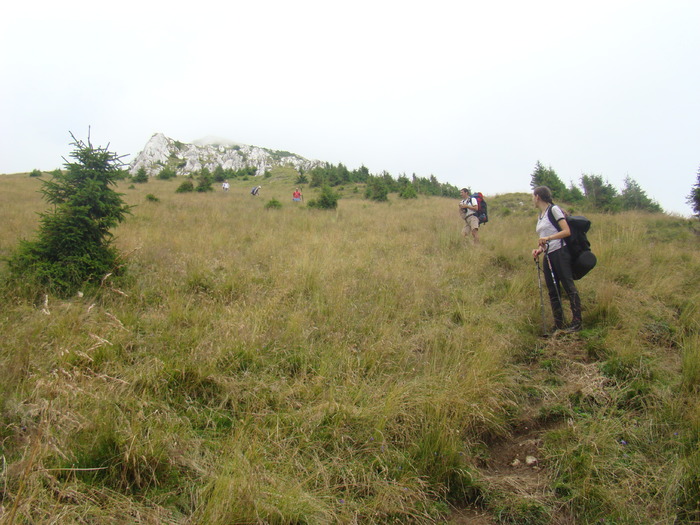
(558,325)
(575,326)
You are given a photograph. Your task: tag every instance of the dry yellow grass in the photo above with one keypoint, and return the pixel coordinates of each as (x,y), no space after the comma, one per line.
(308,366)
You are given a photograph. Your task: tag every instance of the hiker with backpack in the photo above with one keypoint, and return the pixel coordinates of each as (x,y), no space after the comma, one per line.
(553,229)
(468,208)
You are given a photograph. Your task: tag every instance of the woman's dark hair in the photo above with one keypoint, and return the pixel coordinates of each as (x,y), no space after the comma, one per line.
(544,193)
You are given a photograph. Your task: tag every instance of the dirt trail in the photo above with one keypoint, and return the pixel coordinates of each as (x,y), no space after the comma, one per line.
(515,466)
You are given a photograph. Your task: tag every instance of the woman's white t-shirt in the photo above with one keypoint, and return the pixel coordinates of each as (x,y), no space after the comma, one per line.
(545,228)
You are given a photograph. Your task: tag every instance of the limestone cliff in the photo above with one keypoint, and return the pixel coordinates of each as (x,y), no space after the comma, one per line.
(161,151)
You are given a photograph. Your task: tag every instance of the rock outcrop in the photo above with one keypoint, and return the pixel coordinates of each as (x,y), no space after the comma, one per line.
(161,151)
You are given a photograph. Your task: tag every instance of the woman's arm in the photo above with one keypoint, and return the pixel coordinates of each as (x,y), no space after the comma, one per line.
(563,234)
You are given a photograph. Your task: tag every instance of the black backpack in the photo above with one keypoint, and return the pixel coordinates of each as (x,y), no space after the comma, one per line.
(482,209)
(582,258)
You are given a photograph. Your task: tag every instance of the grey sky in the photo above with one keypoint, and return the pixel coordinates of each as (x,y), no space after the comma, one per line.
(472,92)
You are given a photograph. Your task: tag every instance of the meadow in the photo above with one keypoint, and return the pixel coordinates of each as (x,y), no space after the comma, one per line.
(361,365)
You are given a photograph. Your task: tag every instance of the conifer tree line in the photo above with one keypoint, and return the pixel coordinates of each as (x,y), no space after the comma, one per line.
(379,186)
(219,174)
(595,192)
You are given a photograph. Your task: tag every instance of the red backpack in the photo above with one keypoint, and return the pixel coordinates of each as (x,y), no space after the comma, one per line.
(482,210)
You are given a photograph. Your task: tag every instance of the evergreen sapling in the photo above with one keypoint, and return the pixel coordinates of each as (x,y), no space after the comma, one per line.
(74,242)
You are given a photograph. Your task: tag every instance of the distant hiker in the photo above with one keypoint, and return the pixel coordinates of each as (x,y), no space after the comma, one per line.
(296,196)
(468,207)
(225,186)
(255,190)
(557,262)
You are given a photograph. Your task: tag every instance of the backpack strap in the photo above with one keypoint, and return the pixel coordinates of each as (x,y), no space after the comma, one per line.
(555,223)
(550,216)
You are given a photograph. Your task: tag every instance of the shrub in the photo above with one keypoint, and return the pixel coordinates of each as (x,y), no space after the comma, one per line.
(74,241)
(152,198)
(35,173)
(273,204)
(141,176)
(204,181)
(185,187)
(220,174)
(377,190)
(408,192)
(166,174)
(328,200)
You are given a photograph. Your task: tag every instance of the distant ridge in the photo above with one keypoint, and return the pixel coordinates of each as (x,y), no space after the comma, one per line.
(211,152)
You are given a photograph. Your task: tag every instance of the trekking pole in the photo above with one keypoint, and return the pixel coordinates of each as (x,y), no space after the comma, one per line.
(551,271)
(539,282)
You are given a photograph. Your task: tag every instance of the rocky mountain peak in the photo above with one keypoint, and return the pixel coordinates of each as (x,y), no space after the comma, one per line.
(185,158)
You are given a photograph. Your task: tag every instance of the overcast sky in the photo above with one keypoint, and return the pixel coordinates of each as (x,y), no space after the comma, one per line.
(473,92)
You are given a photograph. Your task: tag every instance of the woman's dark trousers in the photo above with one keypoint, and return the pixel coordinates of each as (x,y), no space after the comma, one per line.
(560,261)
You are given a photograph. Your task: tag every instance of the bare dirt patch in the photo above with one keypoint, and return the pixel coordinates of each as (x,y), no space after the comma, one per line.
(515,467)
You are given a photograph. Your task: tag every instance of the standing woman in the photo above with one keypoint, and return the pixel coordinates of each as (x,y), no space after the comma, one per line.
(557,261)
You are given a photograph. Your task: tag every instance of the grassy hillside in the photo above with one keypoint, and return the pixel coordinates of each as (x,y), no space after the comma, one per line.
(363,365)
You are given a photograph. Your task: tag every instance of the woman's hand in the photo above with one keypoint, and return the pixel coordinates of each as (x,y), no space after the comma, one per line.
(536,252)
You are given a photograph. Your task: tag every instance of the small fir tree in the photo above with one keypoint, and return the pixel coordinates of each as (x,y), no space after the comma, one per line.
(548,177)
(694,196)
(633,197)
(328,200)
(74,245)
(377,190)
(166,173)
(141,176)
(219,174)
(273,204)
(599,193)
(408,192)
(204,181)
(574,195)
(318,178)
(185,187)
